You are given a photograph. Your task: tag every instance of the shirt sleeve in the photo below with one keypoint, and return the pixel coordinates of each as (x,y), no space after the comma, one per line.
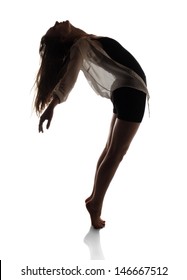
(67,82)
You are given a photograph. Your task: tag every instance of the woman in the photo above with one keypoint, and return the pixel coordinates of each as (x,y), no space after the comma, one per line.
(113,73)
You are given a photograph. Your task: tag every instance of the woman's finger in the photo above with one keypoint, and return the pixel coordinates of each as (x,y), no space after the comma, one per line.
(40,126)
(48,124)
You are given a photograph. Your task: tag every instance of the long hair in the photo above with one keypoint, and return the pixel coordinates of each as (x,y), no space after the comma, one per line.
(54,59)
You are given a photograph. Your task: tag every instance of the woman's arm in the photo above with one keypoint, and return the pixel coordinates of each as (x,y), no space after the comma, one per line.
(63,88)
(66,84)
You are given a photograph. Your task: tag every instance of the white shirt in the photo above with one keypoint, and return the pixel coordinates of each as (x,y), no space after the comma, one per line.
(102,73)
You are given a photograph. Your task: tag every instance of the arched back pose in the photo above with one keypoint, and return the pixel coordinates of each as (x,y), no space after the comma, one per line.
(113,73)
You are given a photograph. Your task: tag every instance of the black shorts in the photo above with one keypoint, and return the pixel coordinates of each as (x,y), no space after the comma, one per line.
(129,104)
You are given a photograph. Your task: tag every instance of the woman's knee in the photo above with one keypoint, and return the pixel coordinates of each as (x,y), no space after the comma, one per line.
(117,154)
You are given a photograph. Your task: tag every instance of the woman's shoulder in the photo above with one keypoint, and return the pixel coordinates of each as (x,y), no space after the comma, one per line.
(86,41)
(92,37)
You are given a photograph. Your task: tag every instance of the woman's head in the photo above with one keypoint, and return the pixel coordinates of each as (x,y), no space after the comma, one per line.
(60,37)
(65,32)
(54,51)
(56,39)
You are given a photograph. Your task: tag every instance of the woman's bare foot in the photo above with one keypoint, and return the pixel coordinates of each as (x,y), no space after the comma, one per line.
(96,221)
(88,199)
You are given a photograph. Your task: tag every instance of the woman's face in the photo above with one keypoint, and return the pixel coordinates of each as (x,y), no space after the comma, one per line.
(60,29)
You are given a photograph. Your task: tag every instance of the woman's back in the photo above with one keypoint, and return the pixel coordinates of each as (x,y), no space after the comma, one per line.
(118,53)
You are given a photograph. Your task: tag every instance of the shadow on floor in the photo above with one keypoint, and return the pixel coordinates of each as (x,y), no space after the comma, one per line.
(92,240)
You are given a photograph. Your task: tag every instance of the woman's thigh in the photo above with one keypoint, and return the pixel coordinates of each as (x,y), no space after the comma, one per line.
(122,135)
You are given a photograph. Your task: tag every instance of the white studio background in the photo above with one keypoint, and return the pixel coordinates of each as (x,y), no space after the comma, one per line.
(46,177)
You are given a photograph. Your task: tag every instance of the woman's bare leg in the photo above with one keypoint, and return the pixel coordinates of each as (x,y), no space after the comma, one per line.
(102,156)
(122,135)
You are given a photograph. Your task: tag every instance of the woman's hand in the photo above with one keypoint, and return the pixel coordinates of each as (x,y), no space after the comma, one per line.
(48,114)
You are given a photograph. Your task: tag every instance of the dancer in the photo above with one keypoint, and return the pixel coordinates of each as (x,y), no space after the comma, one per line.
(113,73)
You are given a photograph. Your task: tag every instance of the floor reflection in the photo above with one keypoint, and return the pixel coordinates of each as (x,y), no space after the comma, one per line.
(92,240)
